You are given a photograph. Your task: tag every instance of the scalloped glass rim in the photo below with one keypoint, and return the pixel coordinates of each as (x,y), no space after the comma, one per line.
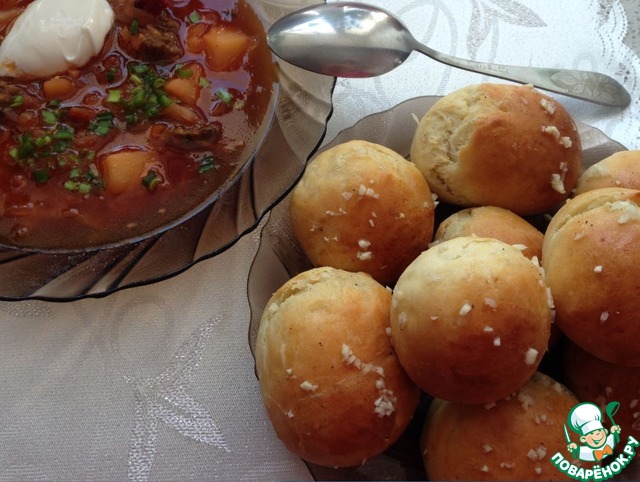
(298,128)
(279,257)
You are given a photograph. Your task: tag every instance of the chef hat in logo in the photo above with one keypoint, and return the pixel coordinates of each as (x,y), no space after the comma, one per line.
(585,417)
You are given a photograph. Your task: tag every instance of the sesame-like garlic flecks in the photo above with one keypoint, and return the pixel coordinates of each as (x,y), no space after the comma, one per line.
(367,192)
(598,269)
(497,341)
(604,316)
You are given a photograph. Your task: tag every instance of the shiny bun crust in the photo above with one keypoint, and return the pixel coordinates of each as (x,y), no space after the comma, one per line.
(360,206)
(470,319)
(510,440)
(590,254)
(499,144)
(493,222)
(331,383)
(621,169)
(598,381)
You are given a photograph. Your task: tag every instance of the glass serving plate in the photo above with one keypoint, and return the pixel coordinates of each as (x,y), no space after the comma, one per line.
(304,106)
(280,257)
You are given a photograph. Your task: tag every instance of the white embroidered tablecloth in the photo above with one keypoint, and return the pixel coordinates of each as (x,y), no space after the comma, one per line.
(157,382)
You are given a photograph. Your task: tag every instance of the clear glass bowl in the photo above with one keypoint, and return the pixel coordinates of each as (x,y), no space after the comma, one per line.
(304,106)
(280,257)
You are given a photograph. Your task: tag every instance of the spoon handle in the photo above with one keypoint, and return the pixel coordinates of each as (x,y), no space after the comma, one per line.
(581,84)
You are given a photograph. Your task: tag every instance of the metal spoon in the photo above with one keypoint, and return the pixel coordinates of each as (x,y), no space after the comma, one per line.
(349,39)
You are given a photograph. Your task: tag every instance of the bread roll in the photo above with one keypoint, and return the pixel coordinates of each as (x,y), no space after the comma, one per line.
(511,440)
(589,254)
(470,319)
(600,382)
(362,207)
(331,383)
(499,144)
(493,222)
(621,169)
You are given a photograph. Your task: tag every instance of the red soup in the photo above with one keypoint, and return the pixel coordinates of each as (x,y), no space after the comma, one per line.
(146,131)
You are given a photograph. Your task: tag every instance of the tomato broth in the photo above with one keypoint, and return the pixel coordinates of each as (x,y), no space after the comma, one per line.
(150,129)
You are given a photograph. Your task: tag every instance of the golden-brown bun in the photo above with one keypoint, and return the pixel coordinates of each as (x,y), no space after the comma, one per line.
(512,440)
(594,380)
(331,383)
(621,169)
(590,256)
(499,144)
(493,222)
(362,207)
(470,319)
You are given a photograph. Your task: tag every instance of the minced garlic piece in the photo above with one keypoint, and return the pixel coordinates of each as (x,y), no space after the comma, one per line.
(548,105)
(364,255)
(531,356)
(308,386)
(465,309)
(604,316)
(557,184)
(552,130)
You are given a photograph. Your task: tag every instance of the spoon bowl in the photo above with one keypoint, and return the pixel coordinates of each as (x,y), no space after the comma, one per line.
(356,40)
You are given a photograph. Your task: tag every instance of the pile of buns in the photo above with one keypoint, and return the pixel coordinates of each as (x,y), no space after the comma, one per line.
(464,312)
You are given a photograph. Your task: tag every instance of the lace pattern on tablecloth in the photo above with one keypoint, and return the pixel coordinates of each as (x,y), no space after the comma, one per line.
(538,33)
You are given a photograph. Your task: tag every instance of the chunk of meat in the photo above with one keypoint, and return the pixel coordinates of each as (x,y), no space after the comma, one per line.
(191,138)
(157,45)
(8,93)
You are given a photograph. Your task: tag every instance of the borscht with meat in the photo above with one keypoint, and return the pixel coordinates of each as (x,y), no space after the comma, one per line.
(120,117)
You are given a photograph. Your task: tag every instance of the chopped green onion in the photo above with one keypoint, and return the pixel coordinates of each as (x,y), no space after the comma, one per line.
(49,117)
(135,79)
(102,129)
(63,133)
(207,163)
(151,180)
(111,74)
(140,69)
(159,83)
(195,17)
(84,188)
(42,141)
(184,73)
(26,148)
(54,104)
(13,152)
(164,101)
(18,101)
(70,185)
(204,82)
(224,95)
(114,96)
(73,173)
(40,175)
(104,116)
(134,27)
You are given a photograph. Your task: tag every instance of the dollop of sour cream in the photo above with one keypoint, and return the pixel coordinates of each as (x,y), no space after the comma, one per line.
(52,35)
